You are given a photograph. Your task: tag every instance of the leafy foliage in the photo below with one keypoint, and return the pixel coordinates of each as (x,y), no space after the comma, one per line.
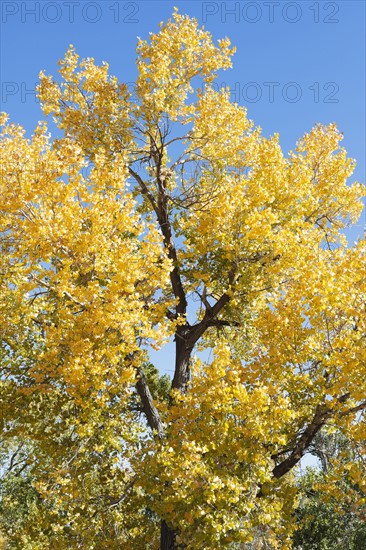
(329,523)
(167,214)
(333,518)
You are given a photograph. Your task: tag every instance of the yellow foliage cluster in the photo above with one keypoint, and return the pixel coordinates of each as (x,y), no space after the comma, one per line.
(109,235)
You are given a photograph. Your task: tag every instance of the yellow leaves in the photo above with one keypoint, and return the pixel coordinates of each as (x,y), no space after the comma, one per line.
(274,208)
(215,456)
(89,105)
(85,288)
(222,130)
(325,169)
(49,94)
(310,345)
(69,63)
(85,261)
(170,60)
(4,117)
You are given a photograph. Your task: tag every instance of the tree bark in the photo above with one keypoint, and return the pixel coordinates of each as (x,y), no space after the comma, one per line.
(184,345)
(167,537)
(322,414)
(148,406)
(183,351)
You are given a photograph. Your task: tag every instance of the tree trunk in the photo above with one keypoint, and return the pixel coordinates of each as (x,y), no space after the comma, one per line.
(183,348)
(167,537)
(184,344)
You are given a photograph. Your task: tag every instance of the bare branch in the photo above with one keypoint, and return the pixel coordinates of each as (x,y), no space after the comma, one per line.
(322,414)
(222,323)
(149,408)
(353,410)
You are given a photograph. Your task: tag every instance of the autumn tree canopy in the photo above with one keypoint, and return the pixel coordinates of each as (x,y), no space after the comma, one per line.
(159,214)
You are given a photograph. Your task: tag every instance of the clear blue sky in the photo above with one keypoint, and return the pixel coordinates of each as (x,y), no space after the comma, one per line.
(297,63)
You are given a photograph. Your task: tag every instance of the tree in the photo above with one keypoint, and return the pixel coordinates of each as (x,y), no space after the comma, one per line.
(333,519)
(158,214)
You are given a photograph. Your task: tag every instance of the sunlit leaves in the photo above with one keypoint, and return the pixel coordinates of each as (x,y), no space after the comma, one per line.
(106,234)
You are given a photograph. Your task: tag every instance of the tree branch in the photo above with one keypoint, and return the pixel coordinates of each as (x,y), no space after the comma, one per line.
(148,406)
(222,323)
(160,210)
(322,413)
(144,189)
(356,409)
